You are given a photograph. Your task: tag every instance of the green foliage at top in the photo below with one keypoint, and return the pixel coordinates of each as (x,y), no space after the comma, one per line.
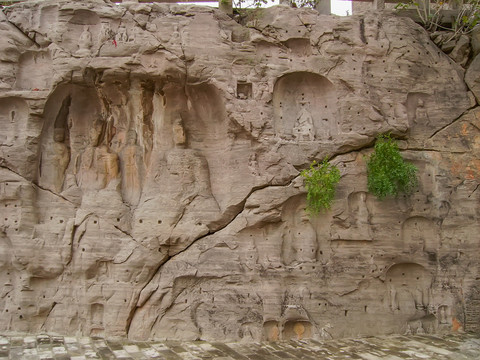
(239,4)
(465,19)
(9,2)
(388,174)
(321,181)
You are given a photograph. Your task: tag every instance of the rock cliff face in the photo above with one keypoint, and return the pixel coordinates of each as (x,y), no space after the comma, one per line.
(149,168)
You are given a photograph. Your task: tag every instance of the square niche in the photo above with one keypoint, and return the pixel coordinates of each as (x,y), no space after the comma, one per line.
(244,90)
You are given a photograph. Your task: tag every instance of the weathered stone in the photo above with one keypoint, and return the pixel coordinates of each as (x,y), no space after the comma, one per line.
(150,188)
(475,40)
(447,46)
(460,53)
(472,77)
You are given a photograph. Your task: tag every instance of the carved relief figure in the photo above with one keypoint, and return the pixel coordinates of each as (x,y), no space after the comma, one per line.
(409,287)
(107,166)
(175,35)
(61,158)
(131,162)
(84,43)
(442,314)
(354,224)
(191,168)
(84,164)
(54,162)
(299,240)
(303,129)
(295,314)
(253,164)
(105,33)
(271,331)
(97,165)
(416,106)
(420,234)
(56,156)
(421,112)
(122,35)
(179,137)
(183,191)
(304,106)
(96,317)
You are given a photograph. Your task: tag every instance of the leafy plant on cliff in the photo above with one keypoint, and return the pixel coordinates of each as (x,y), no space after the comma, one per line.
(466,17)
(242,4)
(387,172)
(321,181)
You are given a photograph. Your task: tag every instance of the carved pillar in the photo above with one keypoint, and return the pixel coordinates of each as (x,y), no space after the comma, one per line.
(324,7)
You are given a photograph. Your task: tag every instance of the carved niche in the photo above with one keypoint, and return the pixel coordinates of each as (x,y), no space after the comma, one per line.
(304,106)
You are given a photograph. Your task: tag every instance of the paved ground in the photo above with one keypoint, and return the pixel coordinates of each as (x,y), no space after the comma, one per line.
(458,346)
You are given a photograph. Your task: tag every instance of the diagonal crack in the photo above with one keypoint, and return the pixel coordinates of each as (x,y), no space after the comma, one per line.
(129,236)
(134,303)
(46,317)
(476,188)
(21,31)
(306,26)
(450,123)
(241,208)
(36,185)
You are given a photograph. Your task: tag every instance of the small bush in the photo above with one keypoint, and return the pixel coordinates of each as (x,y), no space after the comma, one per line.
(465,18)
(388,174)
(321,181)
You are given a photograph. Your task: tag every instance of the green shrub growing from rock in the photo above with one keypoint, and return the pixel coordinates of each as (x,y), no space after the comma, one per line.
(321,181)
(387,172)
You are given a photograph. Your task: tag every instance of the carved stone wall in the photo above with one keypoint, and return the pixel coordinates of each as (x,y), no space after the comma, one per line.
(149,174)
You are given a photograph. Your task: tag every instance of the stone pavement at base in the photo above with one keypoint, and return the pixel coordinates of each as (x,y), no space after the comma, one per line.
(394,347)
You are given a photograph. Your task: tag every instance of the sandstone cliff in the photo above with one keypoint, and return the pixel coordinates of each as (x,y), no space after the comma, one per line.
(149,163)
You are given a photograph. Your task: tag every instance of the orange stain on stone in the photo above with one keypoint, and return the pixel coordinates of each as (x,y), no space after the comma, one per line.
(456,325)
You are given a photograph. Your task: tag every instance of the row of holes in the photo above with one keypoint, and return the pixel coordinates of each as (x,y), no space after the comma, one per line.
(95,221)
(141,221)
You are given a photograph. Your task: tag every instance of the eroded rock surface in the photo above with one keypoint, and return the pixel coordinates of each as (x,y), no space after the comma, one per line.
(149,174)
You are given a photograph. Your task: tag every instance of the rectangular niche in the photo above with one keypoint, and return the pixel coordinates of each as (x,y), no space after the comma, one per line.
(244,90)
